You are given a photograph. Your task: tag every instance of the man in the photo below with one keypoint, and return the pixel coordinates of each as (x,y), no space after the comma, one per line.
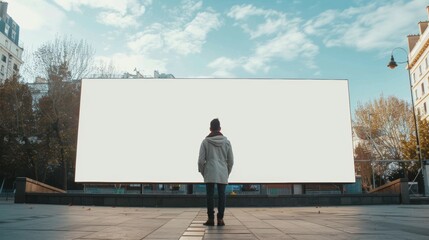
(215,164)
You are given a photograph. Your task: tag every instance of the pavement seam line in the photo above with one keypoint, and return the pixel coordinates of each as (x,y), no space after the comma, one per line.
(155,229)
(242,210)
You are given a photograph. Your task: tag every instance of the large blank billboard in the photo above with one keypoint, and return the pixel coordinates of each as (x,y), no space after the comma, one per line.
(150,130)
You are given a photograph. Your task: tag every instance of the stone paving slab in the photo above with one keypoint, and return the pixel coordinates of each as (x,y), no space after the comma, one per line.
(30,221)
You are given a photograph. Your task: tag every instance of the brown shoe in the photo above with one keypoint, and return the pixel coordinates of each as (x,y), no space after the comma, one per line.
(209,222)
(220,222)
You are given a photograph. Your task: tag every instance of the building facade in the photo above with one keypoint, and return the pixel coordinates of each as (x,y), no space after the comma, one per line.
(418,46)
(10,51)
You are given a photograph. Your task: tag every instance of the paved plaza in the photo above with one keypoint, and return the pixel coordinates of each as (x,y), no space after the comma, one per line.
(32,221)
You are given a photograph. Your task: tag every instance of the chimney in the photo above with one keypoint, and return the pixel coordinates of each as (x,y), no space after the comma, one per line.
(3,9)
(412,40)
(423,26)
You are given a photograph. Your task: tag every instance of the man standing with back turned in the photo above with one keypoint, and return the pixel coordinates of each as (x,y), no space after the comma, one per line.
(215,164)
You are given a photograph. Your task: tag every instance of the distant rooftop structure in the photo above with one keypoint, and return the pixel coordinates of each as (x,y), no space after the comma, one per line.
(136,75)
(156,74)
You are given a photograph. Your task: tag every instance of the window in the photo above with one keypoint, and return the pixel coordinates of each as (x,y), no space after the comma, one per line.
(13,25)
(420,70)
(423,88)
(14,35)
(15,67)
(414,77)
(426,63)
(3,58)
(415,95)
(427,85)
(425,109)
(6,29)
(2,69)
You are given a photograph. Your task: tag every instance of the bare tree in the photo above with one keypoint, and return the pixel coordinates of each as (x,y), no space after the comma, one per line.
(105,69)
(61,62)
(77,56)
(29,69)
(387,121)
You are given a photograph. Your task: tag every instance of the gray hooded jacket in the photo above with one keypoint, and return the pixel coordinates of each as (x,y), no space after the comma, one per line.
(216,159)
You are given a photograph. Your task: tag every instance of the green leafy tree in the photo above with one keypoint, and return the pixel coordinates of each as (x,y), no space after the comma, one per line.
(58,117)
(17,129)
(409,145)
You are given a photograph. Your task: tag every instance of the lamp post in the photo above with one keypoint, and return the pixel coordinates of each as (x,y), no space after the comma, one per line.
(393,64)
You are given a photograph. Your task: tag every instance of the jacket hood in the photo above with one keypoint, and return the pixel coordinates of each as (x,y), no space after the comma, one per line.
(217,141)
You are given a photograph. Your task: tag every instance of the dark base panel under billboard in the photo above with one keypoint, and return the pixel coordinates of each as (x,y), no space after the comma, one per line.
(34,192)
(125,200)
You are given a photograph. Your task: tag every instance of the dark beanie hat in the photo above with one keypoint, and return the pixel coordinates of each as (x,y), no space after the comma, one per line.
(215,125)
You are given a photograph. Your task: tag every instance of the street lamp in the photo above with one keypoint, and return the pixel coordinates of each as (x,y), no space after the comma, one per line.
(393,64)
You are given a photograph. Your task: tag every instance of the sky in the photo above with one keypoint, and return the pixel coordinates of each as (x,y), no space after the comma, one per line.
(317,39)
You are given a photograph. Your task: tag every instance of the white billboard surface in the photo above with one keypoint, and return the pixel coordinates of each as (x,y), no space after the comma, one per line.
(150,130)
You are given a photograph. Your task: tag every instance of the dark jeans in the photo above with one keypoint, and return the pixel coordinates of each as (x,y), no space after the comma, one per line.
(210,200)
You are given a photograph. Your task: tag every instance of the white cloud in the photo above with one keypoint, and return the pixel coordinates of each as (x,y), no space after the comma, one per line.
(270,26)
(223,62)
(202,24)
(65,4)
(31,15)
(122,14)
(257,63)
(288,41)
(315,25)
(113,5)
(193,36)
(223,67)
(145,42)
(272,21)
(186,34)
(369,27)
(117,19)
(35,27)
(183,40)
(366,27)
(242,12)
(184,13)
(191,6)
(288,46)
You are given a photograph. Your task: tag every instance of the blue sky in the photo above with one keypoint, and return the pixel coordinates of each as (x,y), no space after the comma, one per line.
(320,39)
